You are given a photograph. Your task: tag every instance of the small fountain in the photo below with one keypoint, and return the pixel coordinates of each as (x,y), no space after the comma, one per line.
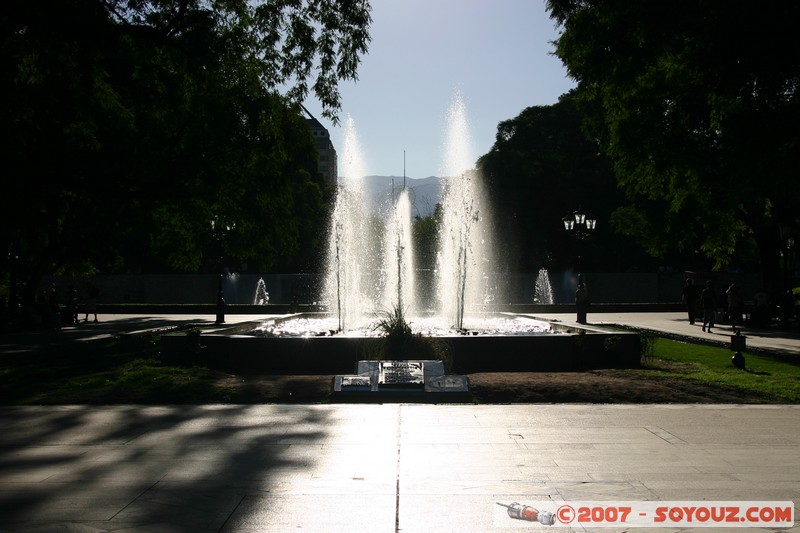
(261,296)
(543,292)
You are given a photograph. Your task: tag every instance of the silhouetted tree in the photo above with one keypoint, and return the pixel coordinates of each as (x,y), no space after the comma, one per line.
(540,168)
(129,125)
(697,104)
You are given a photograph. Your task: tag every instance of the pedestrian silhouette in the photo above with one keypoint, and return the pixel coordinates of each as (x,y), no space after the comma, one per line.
(582,302)
(690,294)
(735,305)
(709,300)
(92,292)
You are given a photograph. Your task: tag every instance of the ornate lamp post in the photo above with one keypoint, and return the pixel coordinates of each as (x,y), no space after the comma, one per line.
(13,265)
(580,225)
(787,243)
(219,233)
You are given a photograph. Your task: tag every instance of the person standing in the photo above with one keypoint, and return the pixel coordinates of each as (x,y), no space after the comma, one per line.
(72,305)
(53,307)
(709,300)
(690,293)
(92,292)
(582,302)
(735,305)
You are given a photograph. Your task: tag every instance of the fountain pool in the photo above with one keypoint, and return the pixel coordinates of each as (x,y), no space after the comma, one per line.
(371,268)
(326,326)
(310,344)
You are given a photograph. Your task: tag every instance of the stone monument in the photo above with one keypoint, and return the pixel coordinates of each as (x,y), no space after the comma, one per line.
(416,380)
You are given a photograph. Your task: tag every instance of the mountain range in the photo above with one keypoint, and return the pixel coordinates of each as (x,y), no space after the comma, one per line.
(425,193)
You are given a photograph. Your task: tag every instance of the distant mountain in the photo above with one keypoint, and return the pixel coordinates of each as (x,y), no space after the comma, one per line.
(425,193)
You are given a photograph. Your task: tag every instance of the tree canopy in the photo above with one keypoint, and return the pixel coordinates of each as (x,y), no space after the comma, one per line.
(696,103)
(130,124)
(540,168)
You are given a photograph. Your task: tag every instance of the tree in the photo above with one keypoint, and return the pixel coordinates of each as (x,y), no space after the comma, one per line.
(540,168)
(697,105)
(130,124)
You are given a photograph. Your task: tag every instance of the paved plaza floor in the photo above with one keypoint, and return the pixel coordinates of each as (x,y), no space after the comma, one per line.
(378,468)
(385,467)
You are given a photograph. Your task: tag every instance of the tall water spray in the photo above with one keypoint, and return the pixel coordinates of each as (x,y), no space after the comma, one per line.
(351,250)
(367,274)
(464,259)
(399,280)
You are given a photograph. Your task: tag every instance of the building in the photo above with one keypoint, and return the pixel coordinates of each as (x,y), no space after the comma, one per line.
(327,164)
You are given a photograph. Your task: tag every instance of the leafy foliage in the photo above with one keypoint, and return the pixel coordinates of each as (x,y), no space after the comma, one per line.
(696,104)
(541,167)
(130,124)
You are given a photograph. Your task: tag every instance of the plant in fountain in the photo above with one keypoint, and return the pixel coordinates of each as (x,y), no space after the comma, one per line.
(399,342)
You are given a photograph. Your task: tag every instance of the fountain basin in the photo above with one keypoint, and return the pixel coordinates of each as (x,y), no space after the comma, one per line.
(562,348)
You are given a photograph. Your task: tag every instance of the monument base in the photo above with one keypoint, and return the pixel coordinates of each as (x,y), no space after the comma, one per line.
(413,381)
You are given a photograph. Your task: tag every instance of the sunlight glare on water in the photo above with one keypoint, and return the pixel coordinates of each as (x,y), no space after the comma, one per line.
(428,326)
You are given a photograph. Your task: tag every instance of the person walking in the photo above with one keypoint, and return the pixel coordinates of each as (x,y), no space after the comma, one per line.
(709,300)
(690,293)
(582,302)
(92,292)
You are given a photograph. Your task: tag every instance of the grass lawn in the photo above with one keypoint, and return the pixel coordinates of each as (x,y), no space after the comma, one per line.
(712,365)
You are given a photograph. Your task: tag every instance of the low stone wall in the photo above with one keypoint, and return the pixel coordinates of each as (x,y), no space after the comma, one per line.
(569,349)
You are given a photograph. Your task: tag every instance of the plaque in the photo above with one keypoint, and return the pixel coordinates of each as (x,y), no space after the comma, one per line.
(401,373)
(447,384)
(356,381)
(352,384)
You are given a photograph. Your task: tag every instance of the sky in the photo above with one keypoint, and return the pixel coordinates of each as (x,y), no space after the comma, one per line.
(495,54)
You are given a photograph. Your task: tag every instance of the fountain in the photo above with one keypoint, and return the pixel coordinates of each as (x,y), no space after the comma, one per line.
(355,252)
(543,291)
(399,280)
(464,256)
(261,296)
(360,266)
(370,271)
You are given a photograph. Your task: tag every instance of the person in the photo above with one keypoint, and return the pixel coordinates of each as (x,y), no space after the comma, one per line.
(92,292)
(72,305)
(735,305)
(709,300)
(690,298)
(787,309)
(582,302)
(722,305)
(53,307)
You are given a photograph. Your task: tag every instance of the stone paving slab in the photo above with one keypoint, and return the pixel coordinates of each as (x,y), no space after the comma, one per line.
(376,468)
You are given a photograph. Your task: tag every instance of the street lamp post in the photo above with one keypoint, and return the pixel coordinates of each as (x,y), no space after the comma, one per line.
(787,243)
(219,233)
(580,225)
